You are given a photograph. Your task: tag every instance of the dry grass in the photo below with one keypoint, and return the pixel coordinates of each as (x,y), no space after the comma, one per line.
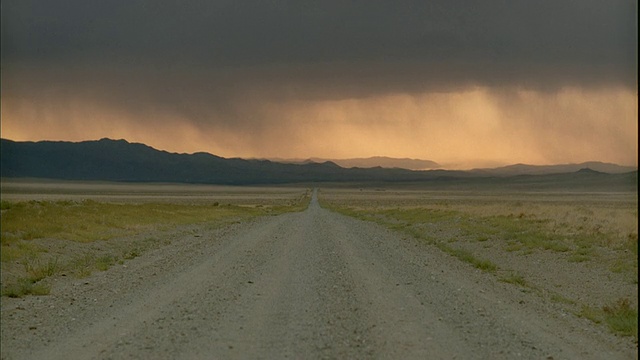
(595,230)
(41,238)
(619,317)
(516,279)
(89,220)
(575,224)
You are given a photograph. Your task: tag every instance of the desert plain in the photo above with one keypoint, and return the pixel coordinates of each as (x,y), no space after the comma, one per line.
(416,270)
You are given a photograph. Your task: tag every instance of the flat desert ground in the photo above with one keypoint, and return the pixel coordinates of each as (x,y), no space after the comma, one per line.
(166,271)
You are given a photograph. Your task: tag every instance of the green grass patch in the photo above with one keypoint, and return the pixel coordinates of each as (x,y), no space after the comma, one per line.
(132,254)
(516,279)
(623,265)
(19,250)
(555,245)
(513,246)
(561,299)
(5,205)
(591,313)
(103,263)
(619,317)
(466,256)
(419,215)
(38,269)
(529,233)
(83,265)
(485,265)
(24,287)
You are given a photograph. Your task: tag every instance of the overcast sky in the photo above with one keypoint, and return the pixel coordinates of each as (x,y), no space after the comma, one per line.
(458,82)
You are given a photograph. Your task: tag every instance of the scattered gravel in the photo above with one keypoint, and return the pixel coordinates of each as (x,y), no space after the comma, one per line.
(314,284)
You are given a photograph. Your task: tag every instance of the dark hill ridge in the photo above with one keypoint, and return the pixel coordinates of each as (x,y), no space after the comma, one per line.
(523,169)
(119,160)
(370,162)
(589,171)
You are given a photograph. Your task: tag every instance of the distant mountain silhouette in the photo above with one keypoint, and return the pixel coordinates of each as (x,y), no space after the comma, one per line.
(371,162)
(589,171)
(119,160)
(523,169)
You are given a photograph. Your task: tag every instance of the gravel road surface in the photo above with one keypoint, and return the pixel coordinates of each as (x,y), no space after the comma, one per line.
(308,285)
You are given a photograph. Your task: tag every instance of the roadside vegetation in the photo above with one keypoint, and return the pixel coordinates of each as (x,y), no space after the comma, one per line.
(485,230)
(41,239)
(620,317)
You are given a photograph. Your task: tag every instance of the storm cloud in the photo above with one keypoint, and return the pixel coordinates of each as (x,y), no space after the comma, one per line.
(494,42)
(231,77)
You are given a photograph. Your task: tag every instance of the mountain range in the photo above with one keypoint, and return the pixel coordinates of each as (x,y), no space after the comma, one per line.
(370,162)
(523,169)
(119,160)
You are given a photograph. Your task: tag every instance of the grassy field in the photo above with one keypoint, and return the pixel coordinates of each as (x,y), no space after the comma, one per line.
(578,249)
(75,229)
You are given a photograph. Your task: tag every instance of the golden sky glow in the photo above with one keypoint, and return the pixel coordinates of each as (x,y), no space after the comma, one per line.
(477,127)
(491,84)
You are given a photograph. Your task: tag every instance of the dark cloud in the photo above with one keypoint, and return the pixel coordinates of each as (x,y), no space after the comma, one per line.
(372,45)
(506,81)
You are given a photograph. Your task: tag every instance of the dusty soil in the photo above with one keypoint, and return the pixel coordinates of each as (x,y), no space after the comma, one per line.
(607,275)
(314,284)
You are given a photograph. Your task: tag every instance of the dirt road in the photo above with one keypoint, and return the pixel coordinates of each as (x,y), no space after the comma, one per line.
(311,285)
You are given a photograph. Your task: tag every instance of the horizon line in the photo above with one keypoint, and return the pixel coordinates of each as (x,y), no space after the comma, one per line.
(309,158)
